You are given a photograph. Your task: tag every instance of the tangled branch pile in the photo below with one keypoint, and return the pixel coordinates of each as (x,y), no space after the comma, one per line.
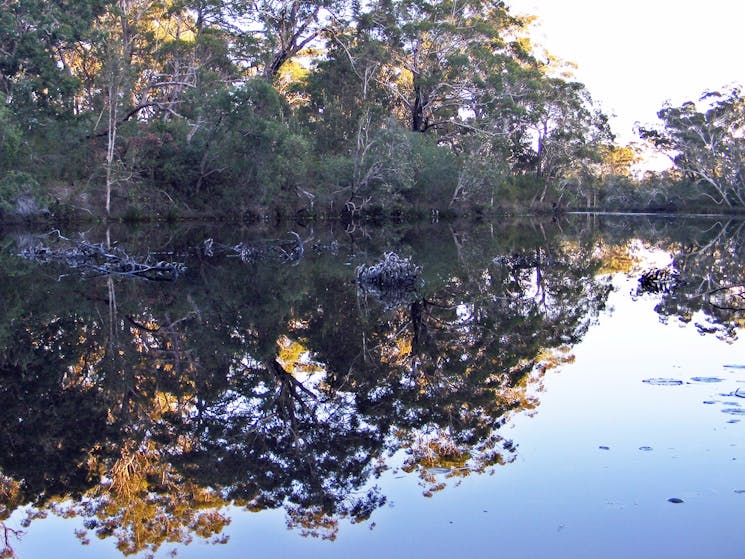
(394,280)
(100,260)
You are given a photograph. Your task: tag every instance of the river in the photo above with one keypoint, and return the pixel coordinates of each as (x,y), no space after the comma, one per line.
(529,388)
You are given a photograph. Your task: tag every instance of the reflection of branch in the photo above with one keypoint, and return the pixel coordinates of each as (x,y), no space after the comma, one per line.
(718,236)
(741,295)
(7,549)
(140,326)
(290,382)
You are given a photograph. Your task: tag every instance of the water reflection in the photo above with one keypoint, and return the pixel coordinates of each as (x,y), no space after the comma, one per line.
(148,409)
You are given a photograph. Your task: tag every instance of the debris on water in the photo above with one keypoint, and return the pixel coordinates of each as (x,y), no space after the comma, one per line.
(663,381)
(394,280)
(734,411)
(740,393)
(710,402)
(99,259)
(602,447)
(740,491)
(646,448)
(675,500)
(706,379)
(658,280)
(733,421)
(734,366)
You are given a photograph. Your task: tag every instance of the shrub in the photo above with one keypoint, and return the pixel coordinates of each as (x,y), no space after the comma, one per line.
(22,196)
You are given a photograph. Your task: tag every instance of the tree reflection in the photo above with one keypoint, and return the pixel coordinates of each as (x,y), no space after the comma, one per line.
(147,409)
(710,286)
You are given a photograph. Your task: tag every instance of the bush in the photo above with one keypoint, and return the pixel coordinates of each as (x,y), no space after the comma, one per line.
(22,196)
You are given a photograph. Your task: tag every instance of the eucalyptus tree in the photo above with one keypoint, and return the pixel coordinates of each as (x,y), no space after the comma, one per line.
(39,86)
(439,52)
(567,133)
(35,40)
(706,142)
(156,59)
(272,32)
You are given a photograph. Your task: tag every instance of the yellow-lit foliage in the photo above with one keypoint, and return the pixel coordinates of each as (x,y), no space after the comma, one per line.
(552,358)
(293,356)
(291,74)
(146,503)
(618,160)
(10,496)
(616,259)
(397,350)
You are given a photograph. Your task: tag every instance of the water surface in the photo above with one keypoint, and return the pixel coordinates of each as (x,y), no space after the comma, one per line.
(542,389)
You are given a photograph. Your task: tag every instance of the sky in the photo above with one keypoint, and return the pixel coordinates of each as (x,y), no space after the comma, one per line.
(636,54)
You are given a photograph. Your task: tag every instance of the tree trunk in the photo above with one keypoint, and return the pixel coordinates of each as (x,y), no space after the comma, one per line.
(418,120)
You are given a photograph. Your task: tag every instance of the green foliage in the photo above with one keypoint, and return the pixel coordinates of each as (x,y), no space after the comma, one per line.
(436,172)
(706,144)
(11,138)
(242,154)
(35,36)
(405,103)
(21,196)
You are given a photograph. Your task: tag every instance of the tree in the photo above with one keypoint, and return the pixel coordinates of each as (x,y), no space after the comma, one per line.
(278,30)
(707,145)
(439,53)
(35,38)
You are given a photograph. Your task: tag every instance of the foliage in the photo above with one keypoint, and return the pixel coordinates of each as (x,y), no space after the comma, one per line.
(236,106)
(11,138)
(706,144)
(21,196)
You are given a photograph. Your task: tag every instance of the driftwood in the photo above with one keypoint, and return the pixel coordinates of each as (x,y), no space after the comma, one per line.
(287,251)
(394,280)
(92,260)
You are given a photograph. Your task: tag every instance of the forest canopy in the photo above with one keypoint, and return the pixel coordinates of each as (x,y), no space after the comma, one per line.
(133,108)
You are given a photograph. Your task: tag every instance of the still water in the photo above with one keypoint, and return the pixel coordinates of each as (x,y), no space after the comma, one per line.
(568,388)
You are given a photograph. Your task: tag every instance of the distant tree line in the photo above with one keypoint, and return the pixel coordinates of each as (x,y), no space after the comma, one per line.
(240,107)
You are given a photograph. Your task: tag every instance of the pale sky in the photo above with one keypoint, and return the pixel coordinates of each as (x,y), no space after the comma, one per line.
(636,54)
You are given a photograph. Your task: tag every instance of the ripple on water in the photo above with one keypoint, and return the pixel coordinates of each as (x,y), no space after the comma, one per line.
(706,379)
(740,393)
(663,381)
(734,411)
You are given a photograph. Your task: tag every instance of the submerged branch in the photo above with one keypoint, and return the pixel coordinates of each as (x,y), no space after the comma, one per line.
(286,251)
